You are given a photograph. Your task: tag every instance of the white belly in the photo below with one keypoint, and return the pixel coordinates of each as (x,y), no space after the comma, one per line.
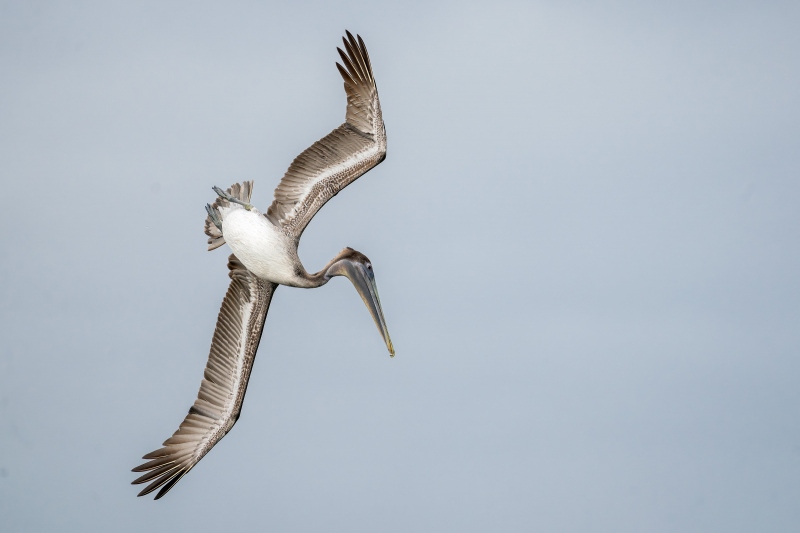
(260,246)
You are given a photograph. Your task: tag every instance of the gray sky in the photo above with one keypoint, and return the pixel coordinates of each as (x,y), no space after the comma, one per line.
(585,236)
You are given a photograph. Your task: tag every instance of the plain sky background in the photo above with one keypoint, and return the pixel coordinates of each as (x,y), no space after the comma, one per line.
(586,236)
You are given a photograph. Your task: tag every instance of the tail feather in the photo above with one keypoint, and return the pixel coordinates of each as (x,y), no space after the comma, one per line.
(242,192)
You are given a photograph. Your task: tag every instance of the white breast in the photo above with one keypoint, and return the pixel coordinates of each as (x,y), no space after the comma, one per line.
(260,246)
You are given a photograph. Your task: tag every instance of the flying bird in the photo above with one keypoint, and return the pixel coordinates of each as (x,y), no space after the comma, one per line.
(264,256)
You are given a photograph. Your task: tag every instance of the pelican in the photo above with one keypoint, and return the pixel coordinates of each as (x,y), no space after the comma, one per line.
(264,256)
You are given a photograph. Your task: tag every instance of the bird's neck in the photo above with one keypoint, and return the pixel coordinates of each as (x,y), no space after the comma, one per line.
(312,281)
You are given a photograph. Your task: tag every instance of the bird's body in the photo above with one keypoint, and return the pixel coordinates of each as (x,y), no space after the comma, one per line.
(264,256)
(261,246)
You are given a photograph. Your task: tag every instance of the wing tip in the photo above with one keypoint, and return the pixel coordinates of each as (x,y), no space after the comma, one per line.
(171,483)
(164,481)
(357,58)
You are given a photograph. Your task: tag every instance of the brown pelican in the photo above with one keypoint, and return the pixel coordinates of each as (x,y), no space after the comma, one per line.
(264,256)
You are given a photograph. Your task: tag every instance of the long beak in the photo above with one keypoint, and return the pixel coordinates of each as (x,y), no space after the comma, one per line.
(364,282)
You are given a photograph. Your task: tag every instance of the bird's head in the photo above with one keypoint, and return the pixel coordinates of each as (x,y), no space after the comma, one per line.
(356,267)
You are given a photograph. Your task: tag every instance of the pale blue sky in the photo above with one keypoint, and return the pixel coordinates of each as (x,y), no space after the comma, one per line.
(585,237)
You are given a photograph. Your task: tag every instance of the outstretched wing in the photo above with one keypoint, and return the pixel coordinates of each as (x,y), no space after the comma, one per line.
(342,156)
(219,402)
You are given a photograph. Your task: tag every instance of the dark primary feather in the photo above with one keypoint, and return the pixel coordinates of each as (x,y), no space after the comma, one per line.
(342,156)
(222,390)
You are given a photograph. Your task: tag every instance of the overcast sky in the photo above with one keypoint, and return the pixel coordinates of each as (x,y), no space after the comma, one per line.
(586,236)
